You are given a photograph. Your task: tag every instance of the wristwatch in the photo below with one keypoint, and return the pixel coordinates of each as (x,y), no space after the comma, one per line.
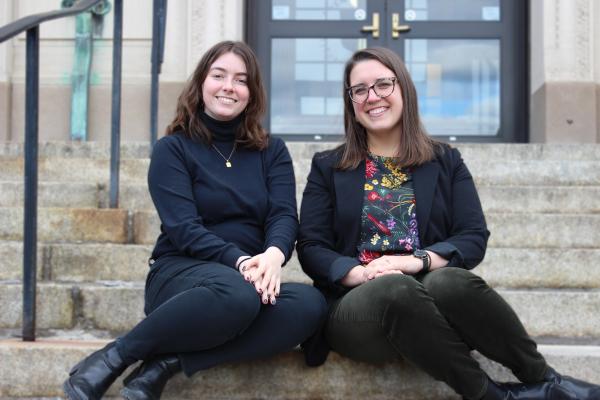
(425,257)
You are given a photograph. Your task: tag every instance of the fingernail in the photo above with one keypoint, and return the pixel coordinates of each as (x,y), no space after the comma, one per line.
(265,301)
(260,291)
(273,301)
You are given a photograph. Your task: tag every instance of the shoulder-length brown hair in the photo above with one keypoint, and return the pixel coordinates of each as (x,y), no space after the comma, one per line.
(251,133)
(416,147)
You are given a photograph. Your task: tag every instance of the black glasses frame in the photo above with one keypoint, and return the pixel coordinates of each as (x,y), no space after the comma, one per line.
(374,90)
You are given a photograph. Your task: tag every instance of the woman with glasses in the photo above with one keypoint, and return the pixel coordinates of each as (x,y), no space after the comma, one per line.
(390,225)
(225,194)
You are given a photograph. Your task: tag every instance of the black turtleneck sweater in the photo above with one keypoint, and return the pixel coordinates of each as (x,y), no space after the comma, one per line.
(214,213)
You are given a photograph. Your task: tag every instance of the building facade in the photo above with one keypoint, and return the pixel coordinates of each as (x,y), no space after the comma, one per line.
(486,70)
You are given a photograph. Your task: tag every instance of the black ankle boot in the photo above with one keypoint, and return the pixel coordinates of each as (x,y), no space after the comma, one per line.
(524,391)
(577,389)
(91,377)
(148,380)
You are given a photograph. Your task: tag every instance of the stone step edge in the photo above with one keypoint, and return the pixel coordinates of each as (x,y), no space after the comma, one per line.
(51,360)
(120,284)
(141,149)
(139,183)
(147,212)
(10,242)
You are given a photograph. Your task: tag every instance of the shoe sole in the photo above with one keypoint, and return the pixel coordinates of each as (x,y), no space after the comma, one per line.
(128,394)
(558,393)
(70,393)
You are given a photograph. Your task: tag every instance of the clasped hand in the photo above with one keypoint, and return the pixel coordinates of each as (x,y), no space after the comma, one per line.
(264,272)
(384,265)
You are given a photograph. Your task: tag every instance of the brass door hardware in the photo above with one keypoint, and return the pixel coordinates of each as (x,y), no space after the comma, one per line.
(396,27)
(374,27)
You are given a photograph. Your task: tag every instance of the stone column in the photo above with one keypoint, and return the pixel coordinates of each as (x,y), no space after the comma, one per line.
(210,22)
(596,35)
(564,82)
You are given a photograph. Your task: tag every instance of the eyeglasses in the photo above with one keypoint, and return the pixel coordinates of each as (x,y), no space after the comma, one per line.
(382,87)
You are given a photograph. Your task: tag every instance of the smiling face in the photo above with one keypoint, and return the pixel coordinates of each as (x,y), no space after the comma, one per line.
(225,91)
(379,116)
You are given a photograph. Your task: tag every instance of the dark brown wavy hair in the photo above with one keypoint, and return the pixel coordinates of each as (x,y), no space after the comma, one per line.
(251,133)
(416,147)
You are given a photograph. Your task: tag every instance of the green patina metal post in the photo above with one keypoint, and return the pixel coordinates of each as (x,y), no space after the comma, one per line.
(80,76)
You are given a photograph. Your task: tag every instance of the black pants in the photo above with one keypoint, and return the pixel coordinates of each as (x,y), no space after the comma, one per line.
(434,321)
(208,314)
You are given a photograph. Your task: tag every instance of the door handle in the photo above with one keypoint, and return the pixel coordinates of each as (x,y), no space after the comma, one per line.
(374,27)
(396,27)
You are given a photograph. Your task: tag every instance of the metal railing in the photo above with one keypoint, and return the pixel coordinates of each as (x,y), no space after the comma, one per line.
(159,22)
(31,24)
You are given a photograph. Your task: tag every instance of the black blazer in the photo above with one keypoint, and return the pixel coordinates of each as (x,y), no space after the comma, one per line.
(449,216)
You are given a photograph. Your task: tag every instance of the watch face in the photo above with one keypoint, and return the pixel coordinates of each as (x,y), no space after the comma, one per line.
(420,253)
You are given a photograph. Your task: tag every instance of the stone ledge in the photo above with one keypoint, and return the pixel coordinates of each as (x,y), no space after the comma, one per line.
(561,313)
(38,370)
(135,196)
(54,304)
(495,151)
(76,169)
(508,230)
(68,224)
(502,267)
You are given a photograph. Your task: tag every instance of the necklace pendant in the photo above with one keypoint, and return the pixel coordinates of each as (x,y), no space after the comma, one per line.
(227,164)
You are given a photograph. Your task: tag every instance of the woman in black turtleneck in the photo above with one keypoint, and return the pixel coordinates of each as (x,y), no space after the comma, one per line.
(225,194)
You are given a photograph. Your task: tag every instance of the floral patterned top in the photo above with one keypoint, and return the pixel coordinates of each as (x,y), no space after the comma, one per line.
(389,219)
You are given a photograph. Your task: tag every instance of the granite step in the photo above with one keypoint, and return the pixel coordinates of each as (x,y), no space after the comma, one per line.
(72,194)
(502,267)
(76,169)
(494,152)
(53,194)
(37,369)
(508,229)
(556,313)
(135,196)
(76,149)
(69,225)
(485,172)
(470,151)
(514,173)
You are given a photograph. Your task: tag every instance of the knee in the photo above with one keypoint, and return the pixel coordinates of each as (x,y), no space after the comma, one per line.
(244,300)
(452,285)
(238,296)
(311,307)
(399,293)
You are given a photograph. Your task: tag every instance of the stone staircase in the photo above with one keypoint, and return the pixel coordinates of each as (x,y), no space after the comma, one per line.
(541,204)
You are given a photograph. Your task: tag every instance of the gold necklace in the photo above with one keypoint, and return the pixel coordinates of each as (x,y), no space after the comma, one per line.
(227,160)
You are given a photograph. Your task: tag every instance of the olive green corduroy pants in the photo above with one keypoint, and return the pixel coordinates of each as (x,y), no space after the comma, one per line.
(434,321)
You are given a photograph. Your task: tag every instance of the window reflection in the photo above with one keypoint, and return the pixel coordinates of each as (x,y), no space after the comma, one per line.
(458,82)
(455,10)
(306,84)
(319,10)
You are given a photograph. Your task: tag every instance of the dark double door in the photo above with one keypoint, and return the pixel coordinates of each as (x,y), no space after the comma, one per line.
(467,59)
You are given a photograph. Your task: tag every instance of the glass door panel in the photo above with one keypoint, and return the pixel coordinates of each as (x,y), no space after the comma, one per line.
(319,10)
(458,82)
(306,84)
(455,10)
